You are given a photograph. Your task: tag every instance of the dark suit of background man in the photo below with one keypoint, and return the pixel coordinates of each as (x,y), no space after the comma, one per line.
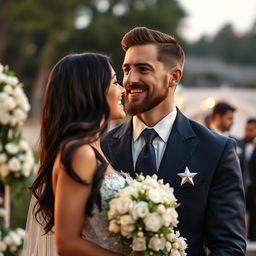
(248,165)
(212,208)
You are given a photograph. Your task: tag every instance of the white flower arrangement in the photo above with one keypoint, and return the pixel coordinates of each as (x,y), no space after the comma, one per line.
(142,216)
(16,160)
(11,241)
(14,104)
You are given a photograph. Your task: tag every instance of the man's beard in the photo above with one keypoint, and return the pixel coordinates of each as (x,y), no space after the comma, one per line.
(146,105)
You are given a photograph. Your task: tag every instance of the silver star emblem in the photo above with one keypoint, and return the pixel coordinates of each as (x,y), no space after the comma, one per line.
(187,176)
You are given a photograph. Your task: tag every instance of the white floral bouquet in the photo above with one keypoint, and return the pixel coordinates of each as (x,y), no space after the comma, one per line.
(11,241)
(16,160)
(142,216)
(14,104)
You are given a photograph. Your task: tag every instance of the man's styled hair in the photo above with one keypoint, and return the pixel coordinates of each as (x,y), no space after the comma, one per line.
(169,51)
(221,108)
(251,121)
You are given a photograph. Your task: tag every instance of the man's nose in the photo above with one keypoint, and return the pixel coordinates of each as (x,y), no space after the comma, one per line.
(131,78)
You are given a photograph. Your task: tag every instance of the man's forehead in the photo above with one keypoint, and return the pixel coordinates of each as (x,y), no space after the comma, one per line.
(140,54)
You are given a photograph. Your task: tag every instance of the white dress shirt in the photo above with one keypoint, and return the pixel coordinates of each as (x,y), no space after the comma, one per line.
(249,148)
(163,129)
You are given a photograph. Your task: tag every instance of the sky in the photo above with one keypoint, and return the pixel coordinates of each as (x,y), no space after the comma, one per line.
(206,17)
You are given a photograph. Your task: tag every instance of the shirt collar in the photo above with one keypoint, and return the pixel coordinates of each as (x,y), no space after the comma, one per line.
(163,127)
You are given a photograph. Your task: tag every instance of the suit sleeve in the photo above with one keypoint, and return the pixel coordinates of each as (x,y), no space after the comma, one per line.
(225,227)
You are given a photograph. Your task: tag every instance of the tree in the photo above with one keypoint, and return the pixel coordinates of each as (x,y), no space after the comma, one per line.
(43,31)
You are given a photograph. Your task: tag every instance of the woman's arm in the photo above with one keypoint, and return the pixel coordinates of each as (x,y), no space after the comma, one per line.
(70,201)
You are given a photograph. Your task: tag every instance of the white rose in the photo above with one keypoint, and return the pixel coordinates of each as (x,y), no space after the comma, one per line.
(16,238)
(140,210)
(174,216)
(25,104)
(19,114)
(153,222)
(123,204)
(14,164)
(182,243)
(112,213)
(154,195)
(156,243)
(4,117)
(167,219)
(8,89)
(13,121)
(126,220)
(12,148)
(168,246)
(18,93)
(24,145)
(175,253)
(171,237)
(175,245)
(3,246)
(26,169)
(113,227)
(128,191)
(3,158)
(139,244)
(1,68)
(20,232)
(160,209)
(29,158)
(8,240)
(11,80)
(9,103)
(126,230)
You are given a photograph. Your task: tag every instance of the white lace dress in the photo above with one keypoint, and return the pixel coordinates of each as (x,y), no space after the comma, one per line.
(96,228)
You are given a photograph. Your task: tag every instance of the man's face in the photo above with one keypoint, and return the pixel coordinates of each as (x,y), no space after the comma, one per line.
(226,121)
(146,80)
(250,131)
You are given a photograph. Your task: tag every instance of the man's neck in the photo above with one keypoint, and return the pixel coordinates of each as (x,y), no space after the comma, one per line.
(152,117)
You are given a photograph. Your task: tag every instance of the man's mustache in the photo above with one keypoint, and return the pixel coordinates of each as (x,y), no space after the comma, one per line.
(135,86)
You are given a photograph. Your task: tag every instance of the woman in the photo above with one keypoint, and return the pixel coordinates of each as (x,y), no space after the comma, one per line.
(82,94)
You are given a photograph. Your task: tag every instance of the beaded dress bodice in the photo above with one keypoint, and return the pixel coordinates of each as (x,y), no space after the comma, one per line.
(96,227)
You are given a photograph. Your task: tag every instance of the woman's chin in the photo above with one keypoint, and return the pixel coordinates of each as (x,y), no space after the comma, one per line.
(118,116)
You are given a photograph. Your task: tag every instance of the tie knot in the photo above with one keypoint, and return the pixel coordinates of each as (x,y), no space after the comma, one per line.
(149,135)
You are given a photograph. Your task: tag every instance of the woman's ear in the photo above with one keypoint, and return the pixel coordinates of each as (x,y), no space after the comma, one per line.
(176,75)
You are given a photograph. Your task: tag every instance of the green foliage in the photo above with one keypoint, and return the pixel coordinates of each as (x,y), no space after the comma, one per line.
(228,45)
(35,25)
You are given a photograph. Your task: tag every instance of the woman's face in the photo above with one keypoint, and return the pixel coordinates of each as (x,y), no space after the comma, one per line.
(114,98)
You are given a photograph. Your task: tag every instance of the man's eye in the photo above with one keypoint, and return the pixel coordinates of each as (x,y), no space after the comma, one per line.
(144,69)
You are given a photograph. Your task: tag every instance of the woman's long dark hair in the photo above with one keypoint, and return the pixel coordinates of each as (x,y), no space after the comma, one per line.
(75,107)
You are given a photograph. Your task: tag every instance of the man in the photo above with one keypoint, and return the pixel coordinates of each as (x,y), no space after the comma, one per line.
(248,166)
(201,166)
(222,118)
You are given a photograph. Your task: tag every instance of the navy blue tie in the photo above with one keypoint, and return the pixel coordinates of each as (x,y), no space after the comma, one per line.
(146,162)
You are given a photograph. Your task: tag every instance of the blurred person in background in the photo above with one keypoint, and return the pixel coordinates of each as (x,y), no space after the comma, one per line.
(222,118)
(207,120)
(248,166)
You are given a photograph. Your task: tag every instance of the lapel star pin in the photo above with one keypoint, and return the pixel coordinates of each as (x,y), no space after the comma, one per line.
(187,176)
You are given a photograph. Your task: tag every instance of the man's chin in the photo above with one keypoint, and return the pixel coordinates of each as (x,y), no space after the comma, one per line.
(133,109)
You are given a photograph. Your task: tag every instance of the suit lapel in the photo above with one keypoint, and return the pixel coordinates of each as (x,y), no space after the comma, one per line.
(180,146)
(120,148)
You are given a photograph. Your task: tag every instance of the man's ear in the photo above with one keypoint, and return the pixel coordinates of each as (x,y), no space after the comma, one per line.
(176,75)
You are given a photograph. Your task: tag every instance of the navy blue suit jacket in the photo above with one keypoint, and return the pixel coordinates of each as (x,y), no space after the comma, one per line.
(212,211)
